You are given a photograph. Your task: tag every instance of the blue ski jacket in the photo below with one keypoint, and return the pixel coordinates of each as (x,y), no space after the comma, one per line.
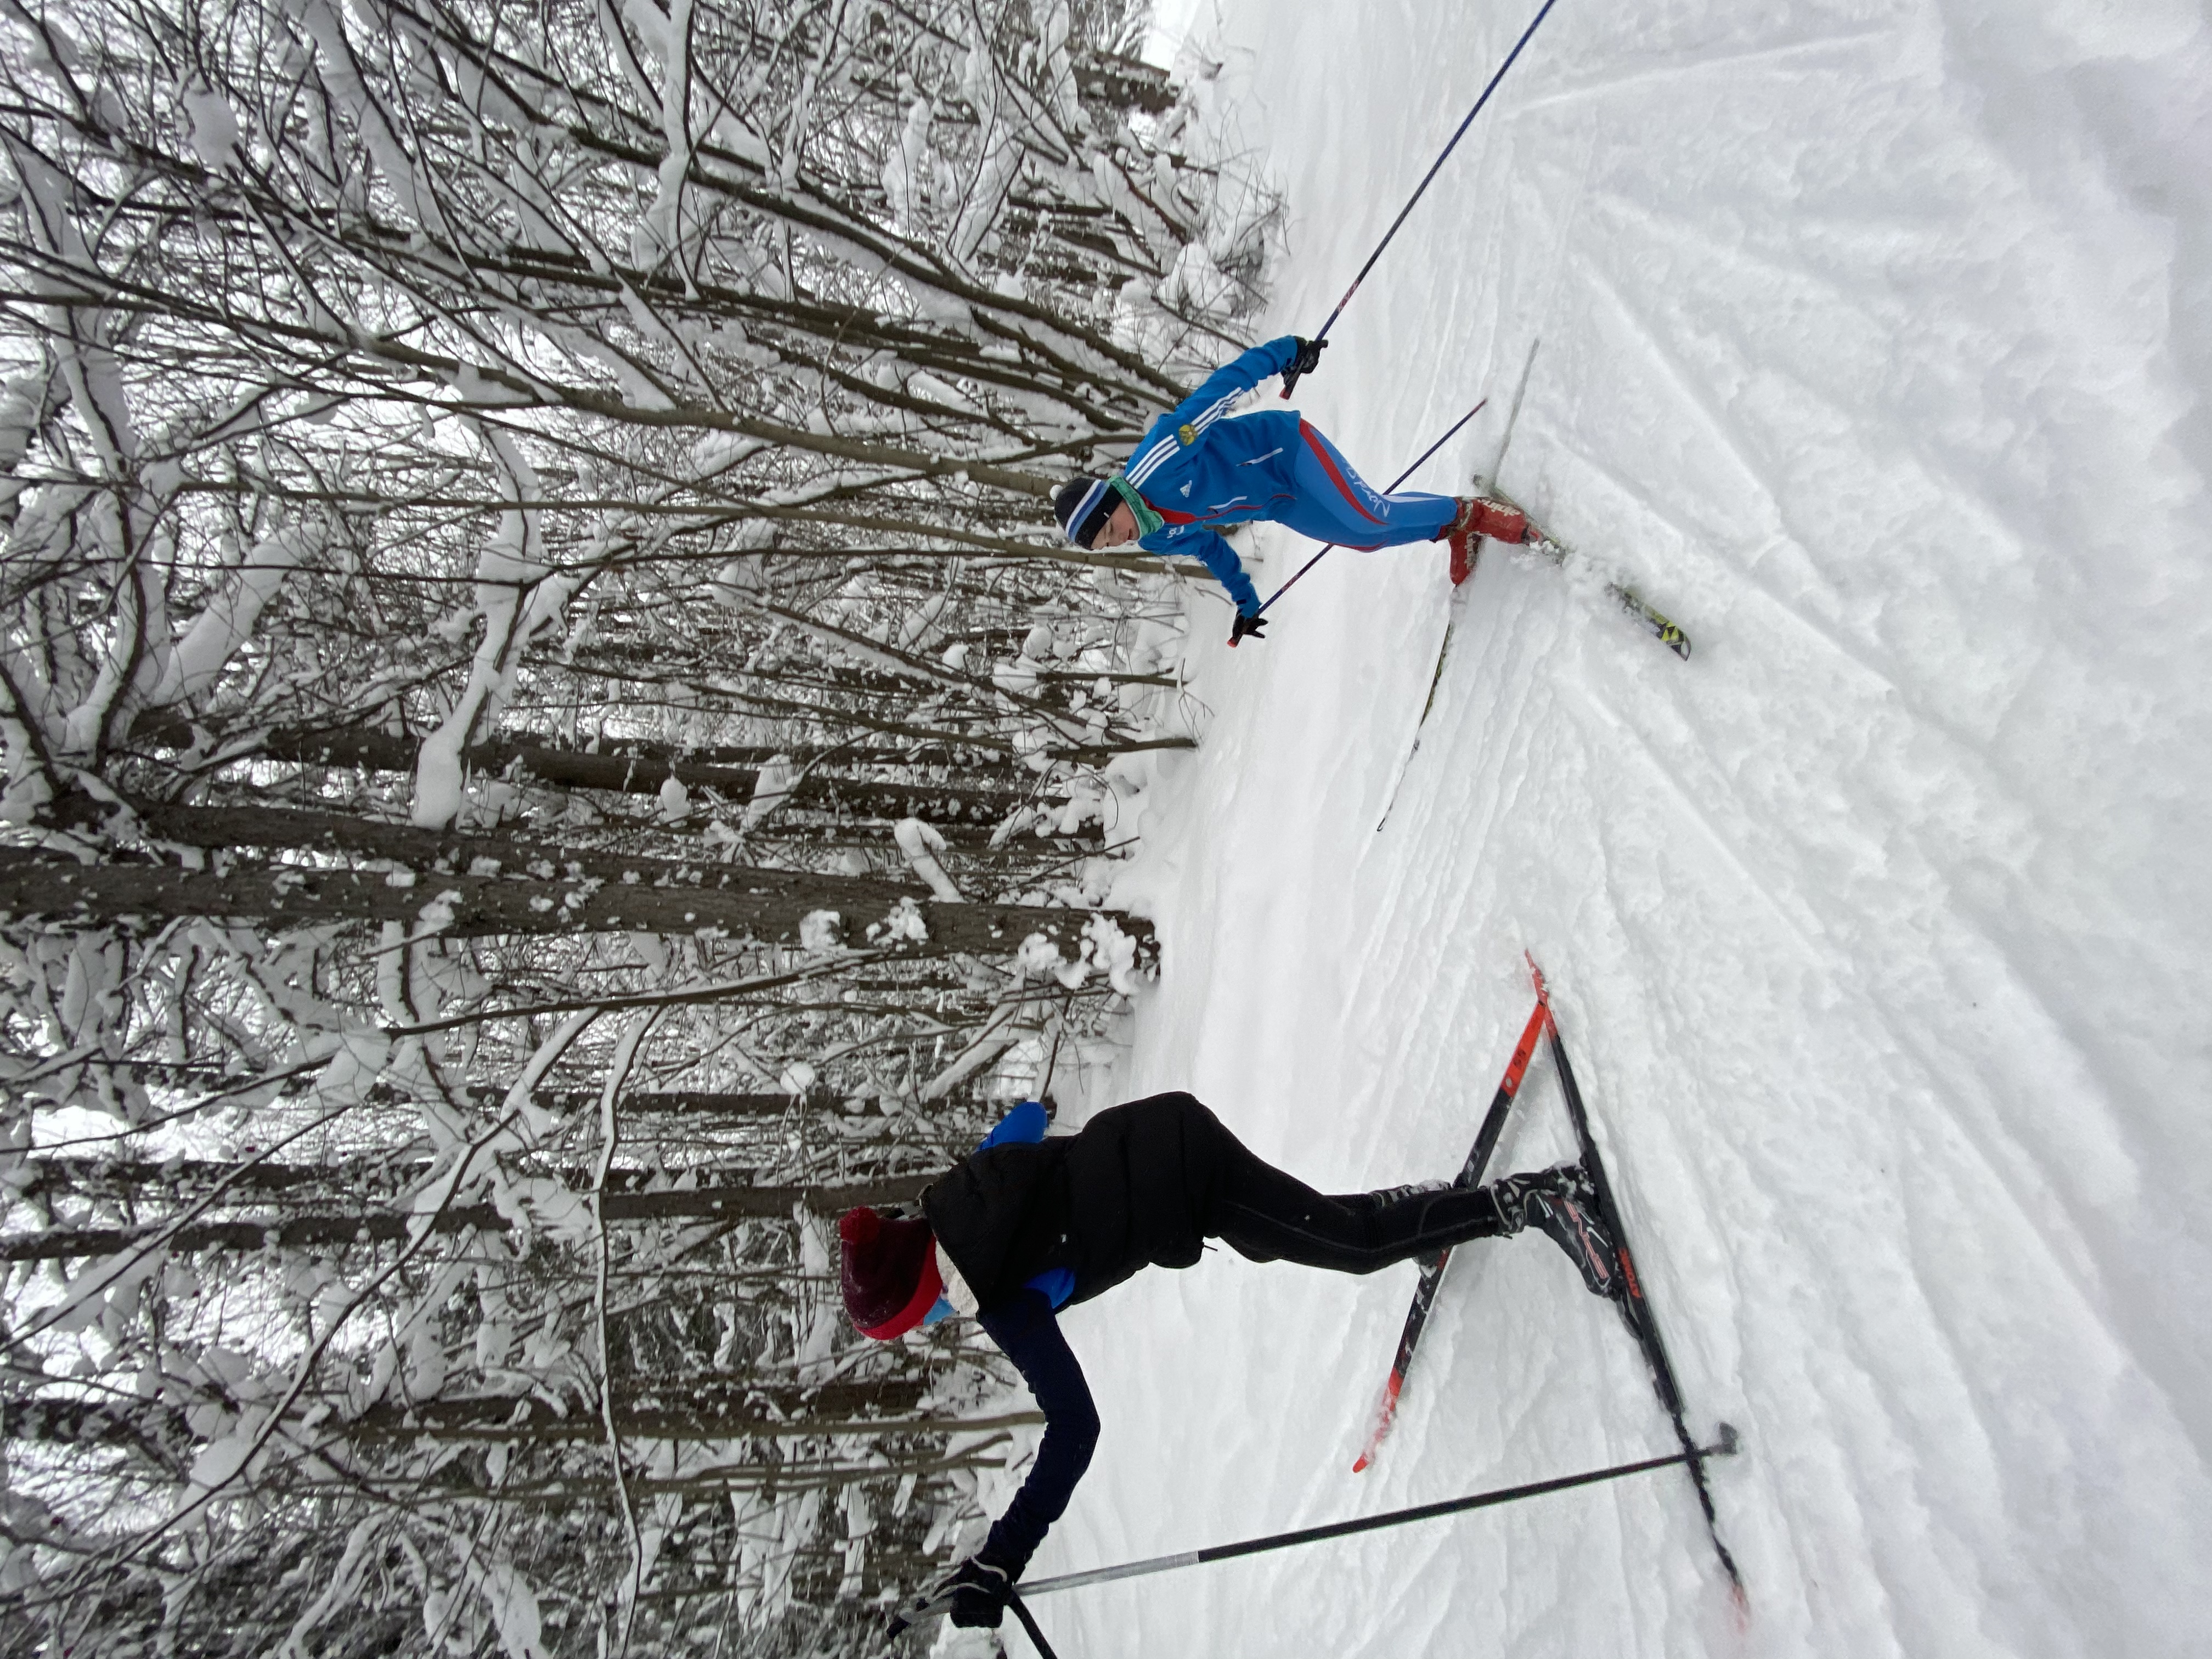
(1198,470)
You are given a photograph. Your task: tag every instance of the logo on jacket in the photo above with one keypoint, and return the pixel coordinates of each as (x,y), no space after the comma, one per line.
(1186,492)
(1186,435)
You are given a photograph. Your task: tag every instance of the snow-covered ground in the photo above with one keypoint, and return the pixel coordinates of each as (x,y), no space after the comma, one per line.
(1872,341)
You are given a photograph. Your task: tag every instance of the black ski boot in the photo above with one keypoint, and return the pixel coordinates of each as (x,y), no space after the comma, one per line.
(1562,1202)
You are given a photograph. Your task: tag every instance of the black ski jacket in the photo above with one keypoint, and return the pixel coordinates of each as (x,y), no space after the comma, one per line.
(1134,1189)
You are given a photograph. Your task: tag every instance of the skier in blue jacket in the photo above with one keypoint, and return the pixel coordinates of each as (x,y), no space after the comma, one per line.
(1201,469)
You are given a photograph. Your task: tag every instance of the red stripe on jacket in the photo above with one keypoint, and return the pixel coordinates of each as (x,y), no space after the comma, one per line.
(1328,466)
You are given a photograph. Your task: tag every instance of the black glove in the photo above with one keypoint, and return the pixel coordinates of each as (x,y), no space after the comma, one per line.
(979,1588)
(1308,357)
(1256,627)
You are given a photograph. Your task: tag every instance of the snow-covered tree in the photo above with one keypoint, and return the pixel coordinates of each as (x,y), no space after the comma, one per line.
(549,745)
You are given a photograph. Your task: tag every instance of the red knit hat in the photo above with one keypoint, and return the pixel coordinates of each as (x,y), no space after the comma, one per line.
(889,1273)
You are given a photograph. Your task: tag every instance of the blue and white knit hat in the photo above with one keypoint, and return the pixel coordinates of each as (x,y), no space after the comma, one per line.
(1082,506)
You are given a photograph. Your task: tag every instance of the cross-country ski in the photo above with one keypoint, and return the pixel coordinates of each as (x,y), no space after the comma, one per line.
(1628,1292)
(1432,1268)
(1639,610)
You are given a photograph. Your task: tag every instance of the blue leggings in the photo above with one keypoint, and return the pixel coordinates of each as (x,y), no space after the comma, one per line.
(1333,503)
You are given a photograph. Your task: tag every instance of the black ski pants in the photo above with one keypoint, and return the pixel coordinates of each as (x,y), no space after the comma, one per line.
(1266,1215)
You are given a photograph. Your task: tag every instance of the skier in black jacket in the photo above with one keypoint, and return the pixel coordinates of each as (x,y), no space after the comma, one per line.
(1022,1227)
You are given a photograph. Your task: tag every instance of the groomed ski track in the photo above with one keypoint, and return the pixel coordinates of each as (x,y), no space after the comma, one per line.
(1879,930)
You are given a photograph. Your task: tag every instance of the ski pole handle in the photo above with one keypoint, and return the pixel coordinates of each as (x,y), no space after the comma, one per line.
(1311,349)
(1309,352)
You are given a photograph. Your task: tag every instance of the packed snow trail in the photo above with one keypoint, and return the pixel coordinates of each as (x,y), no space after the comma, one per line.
(1869,335)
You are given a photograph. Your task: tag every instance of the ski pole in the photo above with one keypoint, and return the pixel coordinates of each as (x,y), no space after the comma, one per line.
(1724,1446)
(1030,1624)
(1394,482)
(1290,379)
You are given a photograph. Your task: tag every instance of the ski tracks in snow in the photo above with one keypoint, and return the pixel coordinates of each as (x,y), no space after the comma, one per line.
(1877,928)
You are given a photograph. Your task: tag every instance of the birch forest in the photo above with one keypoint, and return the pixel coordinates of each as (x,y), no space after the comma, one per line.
(552,745)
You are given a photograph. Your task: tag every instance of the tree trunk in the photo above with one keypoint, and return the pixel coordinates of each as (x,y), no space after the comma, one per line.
(633,895)
(680,1408)
(700,1204)
(184,1177)
(639,773)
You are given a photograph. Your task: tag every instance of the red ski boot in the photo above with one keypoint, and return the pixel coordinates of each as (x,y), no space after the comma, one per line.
(1479,518)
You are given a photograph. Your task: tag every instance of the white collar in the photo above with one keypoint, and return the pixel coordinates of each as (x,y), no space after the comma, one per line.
(956,1288)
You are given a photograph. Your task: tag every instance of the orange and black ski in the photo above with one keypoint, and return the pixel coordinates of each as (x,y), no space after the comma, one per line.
(1432,1269)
